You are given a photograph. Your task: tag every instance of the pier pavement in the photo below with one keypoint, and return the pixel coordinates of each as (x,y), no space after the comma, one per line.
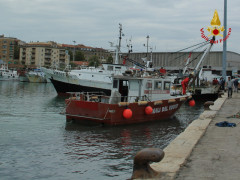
(204,150)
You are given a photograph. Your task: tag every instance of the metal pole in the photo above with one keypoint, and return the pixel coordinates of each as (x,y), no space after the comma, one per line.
(224,42)
(120,36)
(147,46)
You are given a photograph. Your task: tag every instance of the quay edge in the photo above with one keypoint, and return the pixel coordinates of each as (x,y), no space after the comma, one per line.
(177,152)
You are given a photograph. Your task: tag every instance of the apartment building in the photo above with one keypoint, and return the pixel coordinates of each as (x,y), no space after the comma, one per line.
(8,46)
(43,54)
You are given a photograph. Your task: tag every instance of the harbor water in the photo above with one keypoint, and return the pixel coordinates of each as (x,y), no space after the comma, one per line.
(37,143)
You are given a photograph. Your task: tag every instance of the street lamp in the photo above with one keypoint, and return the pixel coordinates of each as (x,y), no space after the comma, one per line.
(224,56)
(147,45)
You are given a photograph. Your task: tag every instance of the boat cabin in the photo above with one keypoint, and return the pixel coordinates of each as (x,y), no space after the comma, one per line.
(130,89)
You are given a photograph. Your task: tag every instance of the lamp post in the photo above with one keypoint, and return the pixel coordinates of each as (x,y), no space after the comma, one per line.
(224,42)
(74,50)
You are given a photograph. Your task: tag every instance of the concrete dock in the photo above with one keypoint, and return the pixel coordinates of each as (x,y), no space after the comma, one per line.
(204,150)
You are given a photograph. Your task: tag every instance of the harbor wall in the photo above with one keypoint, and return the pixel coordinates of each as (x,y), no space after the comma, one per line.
(177,152)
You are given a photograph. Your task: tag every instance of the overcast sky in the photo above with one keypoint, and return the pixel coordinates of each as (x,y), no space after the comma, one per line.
(171,24)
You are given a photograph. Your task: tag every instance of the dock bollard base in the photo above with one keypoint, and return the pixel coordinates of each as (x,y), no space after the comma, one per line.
(141,167)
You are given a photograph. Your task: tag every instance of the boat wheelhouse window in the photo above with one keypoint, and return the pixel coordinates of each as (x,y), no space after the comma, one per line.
(167,85)
(115,83)
(158,85)
(117,67)
(149,84)
(125,83)
(110,68)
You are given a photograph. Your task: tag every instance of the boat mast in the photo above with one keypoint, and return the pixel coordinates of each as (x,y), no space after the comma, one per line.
(196,69)
(225,41)
(187,63)
(119,45)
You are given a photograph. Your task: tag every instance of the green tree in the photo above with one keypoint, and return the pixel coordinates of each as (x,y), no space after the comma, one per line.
(94,61)
(110,59)
(70,54)
(16,51)
(79,56)
(72,65)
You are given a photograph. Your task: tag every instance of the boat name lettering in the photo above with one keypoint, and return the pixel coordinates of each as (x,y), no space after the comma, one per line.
(156,110)
(175,106)
(164,108)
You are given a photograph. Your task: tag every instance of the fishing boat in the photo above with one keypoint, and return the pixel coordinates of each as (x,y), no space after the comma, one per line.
(202,86)
(36,76)
(85,79)
(7,74)
(133,99)
(22,75)
(206,88)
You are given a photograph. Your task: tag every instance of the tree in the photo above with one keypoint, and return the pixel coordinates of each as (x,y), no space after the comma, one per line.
(94,61)
(16,51)
(110,59)
(79,56)
(70,54)
(73,65)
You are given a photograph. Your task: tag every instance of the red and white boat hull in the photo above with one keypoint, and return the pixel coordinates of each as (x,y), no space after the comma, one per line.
(112,114)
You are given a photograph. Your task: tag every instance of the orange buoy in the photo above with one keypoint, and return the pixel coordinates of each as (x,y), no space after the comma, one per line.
(127,113)
(148,110)
(191,102)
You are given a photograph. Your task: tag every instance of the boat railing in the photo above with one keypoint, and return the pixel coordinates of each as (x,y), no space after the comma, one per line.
(103,98)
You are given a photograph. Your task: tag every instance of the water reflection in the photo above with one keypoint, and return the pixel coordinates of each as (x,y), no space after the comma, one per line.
(36,142)
(113,148)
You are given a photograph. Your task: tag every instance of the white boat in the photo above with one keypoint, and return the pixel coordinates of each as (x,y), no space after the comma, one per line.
(36,76)
(7,74)
(86,79)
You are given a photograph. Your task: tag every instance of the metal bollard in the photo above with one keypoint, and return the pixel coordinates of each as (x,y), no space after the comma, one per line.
(220,94)
(207,104)
(141,167)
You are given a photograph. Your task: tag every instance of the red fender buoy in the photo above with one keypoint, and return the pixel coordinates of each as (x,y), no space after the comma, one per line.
(191,102)
(148,110)
(127,113)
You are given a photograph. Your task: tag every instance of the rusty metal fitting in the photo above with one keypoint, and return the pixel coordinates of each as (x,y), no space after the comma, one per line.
(141,167)
(220,94)
(207,104)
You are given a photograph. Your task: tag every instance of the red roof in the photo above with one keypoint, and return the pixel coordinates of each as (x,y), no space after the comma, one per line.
(81,63)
